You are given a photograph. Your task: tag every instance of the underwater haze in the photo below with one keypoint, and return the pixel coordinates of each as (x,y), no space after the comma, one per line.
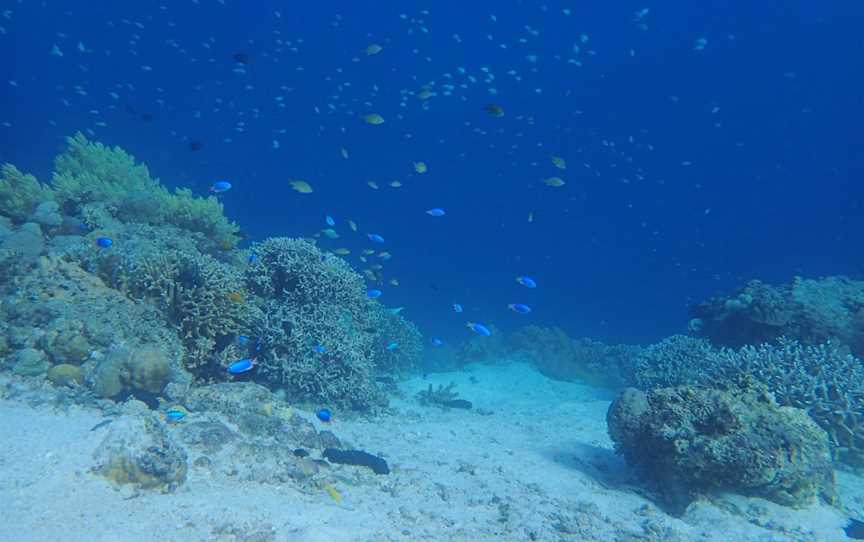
(705,143)
(602,259)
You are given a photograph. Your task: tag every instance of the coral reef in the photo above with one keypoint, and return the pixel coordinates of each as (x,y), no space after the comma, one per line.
(810,311)
(690,440)
(824,380)
(478,349)
(123,369)
(20,193)
(139,451)
(558,356)
(675,361)
(93,180)
(316,330)
(398,345)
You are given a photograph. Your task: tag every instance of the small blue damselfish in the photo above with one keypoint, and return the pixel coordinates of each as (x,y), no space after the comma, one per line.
(324,415)
(104,242)
(479,329)
(241,366)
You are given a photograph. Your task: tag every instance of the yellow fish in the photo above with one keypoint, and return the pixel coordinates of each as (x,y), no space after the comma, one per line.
(368,251)
(425,94)
(352,225)
(373,118)
(420,167)
(531,217)
(333,493)
(301,186)
(342,251)
(374,49)
(373,185)
(395,184)
(559,162)
(554,181)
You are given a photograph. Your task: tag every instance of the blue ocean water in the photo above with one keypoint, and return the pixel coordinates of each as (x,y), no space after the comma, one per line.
(705,143)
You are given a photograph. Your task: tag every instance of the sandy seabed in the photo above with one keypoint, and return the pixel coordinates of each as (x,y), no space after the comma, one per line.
(531,461)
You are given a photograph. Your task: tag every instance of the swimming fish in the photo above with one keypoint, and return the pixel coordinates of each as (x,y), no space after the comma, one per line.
(374,49)
(324,415)
(375,237)
(559,162)
(330,233)
(373,119)
(241,366)
(435,212)
(420,167)
(319,349)
(174,414)
(373,293)
(104,242)
(329,220)
(495,110)
(242,340)
(392,346)
(457,307)
(252,258)
(220,186)
(519,307)
(342,251)
(554,182)
(479,329)
(528,282)
(436,342)
(301,186)
(333,493)
(352,225)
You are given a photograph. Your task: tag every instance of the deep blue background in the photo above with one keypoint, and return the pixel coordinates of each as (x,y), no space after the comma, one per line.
(773,190)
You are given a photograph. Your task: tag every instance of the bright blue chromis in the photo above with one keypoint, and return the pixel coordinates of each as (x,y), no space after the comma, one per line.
(241,366)
(174,414)
(319,349)
(104,242)
(457,307)
(375,237)
(324,415)
(437,342)
(392,346)
(252,258)
(435,212)
(373,293)
(519,307)
(528,282)
(329,220)
(479,329)
(220,186)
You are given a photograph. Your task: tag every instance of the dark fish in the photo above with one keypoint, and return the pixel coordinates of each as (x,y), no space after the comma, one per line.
(241,57)
(854,529)
(300,452)
(103,423)
(195,146)
(495,110)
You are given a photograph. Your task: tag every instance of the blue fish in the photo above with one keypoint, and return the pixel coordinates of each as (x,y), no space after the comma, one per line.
(252,258)
(242,340)
(241,366)
(220,186)
(519,307)
(329,220)
(324,415)
(392,346)
(104,242)
(435,212)
(528,282)
(436,342)
(373,293)
(319,348)
(479,329)
(375,237)
(174,415)
(457,307)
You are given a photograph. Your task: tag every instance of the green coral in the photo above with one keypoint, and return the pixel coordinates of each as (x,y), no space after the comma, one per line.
(92,173)
(20,193)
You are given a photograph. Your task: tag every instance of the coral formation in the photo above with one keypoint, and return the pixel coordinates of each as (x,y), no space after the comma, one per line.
(690,440)
(20,193)
(675,361)
(316,330)
(824,380)
(139,451)
(558,356)
(146,369)
(811,311)
(66,375)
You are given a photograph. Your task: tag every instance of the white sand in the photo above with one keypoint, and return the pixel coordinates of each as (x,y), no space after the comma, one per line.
(539,467)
